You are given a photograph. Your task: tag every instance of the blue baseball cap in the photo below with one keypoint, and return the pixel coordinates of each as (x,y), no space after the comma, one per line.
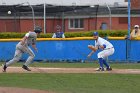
(95,34)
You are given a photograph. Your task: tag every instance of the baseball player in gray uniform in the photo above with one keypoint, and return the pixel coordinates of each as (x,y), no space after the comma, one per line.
(23,47)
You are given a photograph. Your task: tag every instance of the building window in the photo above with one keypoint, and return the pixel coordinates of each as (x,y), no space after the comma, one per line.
(104,26)
(76,23)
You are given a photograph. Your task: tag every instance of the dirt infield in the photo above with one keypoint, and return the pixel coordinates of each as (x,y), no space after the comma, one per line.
(56,70)
(69,70)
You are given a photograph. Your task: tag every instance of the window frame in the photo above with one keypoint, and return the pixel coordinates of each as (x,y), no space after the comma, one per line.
(73,24)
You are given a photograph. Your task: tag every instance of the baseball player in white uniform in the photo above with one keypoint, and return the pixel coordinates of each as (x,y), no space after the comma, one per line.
(23,47)
(107,50)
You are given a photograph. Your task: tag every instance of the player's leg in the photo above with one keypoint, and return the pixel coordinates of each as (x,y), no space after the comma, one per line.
(29,60)
(100,58)
(16,58)
(106,64)
(105,54)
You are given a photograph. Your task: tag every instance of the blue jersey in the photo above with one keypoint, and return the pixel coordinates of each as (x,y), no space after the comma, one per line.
(59,34)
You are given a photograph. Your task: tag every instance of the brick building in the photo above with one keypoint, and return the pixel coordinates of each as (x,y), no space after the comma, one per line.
(70,18)
(135,4)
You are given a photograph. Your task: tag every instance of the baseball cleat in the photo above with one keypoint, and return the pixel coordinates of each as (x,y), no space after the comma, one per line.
(4,67)
(26,68)
(108,69)
(100,69)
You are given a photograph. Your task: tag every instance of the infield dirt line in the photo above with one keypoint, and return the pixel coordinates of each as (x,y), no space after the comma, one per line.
(69,70)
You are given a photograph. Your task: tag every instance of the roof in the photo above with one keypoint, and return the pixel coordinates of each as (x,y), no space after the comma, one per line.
(63,2)
(51,10)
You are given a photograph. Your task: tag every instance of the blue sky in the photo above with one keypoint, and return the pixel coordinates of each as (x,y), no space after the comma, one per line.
(62,2)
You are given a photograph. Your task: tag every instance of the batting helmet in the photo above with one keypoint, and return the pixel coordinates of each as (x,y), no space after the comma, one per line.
(38,29)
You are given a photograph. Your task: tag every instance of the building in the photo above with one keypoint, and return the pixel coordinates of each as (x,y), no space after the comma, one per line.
(135,4)
(20,18)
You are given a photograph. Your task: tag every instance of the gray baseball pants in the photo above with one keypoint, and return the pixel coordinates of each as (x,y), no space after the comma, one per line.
(20,49)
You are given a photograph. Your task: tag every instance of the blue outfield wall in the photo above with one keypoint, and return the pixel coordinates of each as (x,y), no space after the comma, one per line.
(71,50)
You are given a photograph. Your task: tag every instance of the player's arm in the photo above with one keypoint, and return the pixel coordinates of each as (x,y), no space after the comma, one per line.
(34,45)
(63,36)
(54,35)
(103,46)
(23,40)
(89,55)
(132,35)
(93,48)
(138,33)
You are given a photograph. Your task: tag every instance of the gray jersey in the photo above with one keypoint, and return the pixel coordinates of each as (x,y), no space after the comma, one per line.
(31,38)
(29,41)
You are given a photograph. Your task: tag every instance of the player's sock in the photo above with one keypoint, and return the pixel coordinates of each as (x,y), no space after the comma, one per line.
(101,62)
(29,60)
(105,63)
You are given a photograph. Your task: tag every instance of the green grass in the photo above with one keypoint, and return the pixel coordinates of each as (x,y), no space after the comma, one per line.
(75,83)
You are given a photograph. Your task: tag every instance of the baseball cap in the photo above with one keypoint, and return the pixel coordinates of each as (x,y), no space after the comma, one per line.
(136,26)
(95,34)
